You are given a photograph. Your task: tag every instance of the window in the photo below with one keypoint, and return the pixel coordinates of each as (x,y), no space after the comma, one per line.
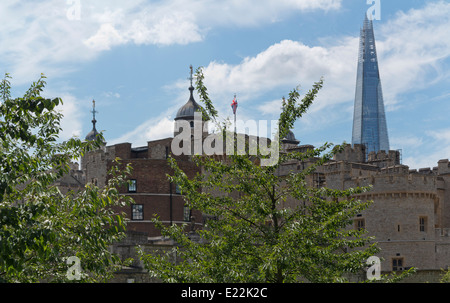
(186,213)
(360,224)
(423,224)
(137,212)
(132,186)
(397,264)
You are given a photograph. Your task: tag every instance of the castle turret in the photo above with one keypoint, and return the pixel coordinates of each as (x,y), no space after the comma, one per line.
(91,135)
(187,113)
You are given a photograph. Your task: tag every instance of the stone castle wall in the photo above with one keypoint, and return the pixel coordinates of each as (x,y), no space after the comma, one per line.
(401,199)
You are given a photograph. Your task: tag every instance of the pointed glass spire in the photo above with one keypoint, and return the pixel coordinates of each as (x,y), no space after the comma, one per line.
(369,119)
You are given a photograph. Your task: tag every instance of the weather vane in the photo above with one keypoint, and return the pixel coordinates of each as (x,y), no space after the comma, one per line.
(192,72)
(93,110)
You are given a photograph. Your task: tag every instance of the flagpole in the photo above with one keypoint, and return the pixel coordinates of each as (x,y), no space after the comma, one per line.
(234,106)
(235,130)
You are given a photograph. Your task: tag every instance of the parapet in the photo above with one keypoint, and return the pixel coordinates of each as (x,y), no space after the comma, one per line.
(383,159)
(354,154)
(443,167)
(395,169)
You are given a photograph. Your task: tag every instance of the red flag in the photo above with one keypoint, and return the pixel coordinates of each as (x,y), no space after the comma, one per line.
(234,105)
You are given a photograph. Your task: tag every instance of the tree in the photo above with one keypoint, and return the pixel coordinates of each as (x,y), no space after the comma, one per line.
(43,233)
(255,238)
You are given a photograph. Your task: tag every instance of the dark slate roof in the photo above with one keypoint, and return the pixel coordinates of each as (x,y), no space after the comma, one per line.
(92,134)
(290,138)
(187,111)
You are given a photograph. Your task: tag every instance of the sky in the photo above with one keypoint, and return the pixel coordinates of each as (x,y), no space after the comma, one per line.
(133,58)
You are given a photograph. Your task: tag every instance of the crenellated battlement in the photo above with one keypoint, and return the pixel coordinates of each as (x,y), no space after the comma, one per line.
(443,167)
(383,159)
(352,154)
(357,154)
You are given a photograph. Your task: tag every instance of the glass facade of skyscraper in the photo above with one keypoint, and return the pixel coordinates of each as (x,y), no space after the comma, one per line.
(369,120)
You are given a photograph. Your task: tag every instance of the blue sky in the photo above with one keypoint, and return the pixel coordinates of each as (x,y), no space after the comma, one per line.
(133,58)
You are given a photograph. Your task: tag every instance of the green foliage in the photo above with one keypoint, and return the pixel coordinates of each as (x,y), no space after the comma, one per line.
(255,237)
(39,226)
(209,112)
(445,277)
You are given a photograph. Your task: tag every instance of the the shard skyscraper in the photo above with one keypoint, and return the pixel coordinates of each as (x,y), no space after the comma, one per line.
(369,119)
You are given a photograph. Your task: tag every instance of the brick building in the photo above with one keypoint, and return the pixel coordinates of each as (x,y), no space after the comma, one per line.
(150,188)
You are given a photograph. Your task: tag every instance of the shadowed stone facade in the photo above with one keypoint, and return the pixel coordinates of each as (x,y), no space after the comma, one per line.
(410,214)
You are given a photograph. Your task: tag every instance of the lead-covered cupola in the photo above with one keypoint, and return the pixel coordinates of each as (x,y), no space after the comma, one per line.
(186,112)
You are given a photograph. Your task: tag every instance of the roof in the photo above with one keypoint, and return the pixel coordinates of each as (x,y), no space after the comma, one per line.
(290,138)
(187,111)
(92,134)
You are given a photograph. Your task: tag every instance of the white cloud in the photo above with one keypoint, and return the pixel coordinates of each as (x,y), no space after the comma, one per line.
(38,37)
(153,129)
(409,46)
(427,150)
(443,135)
(285,65)
(183,22)
(271,107)
(71,122)
(41,38)
(412,49)
(409,141)
(418,160)
(106,37)
(161,129)
(175,28)
(111,94)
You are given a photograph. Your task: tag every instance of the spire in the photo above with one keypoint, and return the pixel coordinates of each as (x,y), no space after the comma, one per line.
(191,78)
(369,119)
(368,23)
(93,111)
(93,133)
(187,111)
